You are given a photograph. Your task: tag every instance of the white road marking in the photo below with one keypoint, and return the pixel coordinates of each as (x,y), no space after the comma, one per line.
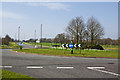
(64,67)
(5,66)
(34,67)
(97,69)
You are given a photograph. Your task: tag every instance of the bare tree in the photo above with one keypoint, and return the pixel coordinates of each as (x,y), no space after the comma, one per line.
(61,37)
(67,38)
(86,36)
(95,29)
(76,28)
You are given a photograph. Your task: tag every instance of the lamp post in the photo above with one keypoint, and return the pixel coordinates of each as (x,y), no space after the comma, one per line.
(41,36)
(18,33)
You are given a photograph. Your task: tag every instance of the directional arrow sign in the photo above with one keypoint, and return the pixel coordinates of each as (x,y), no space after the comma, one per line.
(63,45)
(75,45)
(98,69)
(79,45)
(66,45)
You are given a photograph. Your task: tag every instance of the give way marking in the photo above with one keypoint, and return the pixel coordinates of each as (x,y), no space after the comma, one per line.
(98,69)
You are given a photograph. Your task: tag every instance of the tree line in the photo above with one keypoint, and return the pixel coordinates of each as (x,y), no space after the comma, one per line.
(6,40)
(77,31)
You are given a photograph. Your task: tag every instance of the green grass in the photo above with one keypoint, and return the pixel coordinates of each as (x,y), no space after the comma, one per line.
(4,47)
(43,43)
(110,46)
(8,74)
(10,46)
(112,51)
(85,53)
(50,44)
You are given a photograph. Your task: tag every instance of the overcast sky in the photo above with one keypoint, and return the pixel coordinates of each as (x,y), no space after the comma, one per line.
(55,17)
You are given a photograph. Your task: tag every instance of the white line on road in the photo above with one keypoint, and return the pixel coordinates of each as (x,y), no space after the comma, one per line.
(34,67)
(64,67)
(97,69)
(5,66)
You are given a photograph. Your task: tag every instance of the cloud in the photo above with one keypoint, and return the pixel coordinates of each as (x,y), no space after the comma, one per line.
(11,15)
(52,6)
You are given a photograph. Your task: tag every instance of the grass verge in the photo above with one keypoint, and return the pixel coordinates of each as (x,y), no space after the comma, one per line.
(84,53)
(10,46)
(8,75)
(43,43)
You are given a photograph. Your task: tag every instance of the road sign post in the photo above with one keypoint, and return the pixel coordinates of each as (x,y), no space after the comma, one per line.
(79,45)
(80,50)
(71,50)
(20,46)
(63,45)
(71,46)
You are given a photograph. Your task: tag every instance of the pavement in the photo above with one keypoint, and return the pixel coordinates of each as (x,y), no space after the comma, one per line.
(43,66)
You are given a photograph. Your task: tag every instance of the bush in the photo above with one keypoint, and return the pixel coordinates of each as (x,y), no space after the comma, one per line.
(97,47)
(88,46)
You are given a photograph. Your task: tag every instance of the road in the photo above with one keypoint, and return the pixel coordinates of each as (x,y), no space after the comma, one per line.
(42,66)
(28,46)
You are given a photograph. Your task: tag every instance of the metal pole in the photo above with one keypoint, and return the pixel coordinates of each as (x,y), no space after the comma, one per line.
(18,36)
(35,35)
(15,37)
(18,33)
(35,38)
(41,35)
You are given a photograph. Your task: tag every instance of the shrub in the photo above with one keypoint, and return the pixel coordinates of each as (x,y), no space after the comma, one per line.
(88,46)
(97,47)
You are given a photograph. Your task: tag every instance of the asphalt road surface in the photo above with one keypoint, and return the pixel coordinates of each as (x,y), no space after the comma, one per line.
(28,46)
(42,66)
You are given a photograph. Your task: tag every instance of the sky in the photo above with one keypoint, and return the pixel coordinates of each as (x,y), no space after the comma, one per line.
(55,17)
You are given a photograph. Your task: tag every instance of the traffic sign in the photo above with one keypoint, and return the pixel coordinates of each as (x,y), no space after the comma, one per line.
(37,41)
(63,45)
(20,44)
(67,45)
(79,45)
(75,45)
(71,45)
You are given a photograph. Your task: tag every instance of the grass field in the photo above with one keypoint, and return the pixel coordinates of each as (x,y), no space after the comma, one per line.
(84,53)
(8,74)
(10,46)
(44,44)
(113,47)
(50,44)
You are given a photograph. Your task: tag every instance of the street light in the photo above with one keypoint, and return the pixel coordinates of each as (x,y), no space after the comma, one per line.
(41,36)
(18,33)
(35,40)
